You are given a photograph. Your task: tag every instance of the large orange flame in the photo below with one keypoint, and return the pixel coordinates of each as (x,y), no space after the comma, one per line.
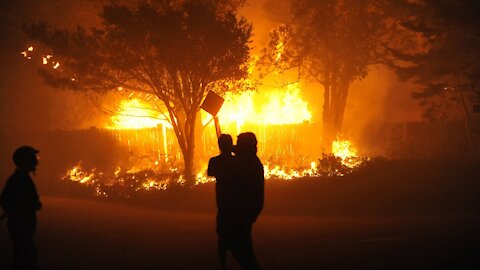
(277,107)
(136,114)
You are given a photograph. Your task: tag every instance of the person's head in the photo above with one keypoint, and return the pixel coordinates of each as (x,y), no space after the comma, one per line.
(25,158)
(225,143)
(247,144)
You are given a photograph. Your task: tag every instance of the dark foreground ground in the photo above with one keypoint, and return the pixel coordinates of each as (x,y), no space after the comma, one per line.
(391,214)
(81,234)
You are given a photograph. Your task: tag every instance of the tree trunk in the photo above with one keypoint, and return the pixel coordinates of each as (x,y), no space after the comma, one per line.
(335,100)
(184,127)
(340,109)
(328,128)
(327,135)
(466,121)
(189,170)
(200,153)
(189,154)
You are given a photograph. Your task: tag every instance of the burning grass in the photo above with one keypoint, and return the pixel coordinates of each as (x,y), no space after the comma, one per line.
(377,187)
(125,183)
(121,184)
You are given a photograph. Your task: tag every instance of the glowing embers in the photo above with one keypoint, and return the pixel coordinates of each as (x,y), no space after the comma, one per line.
(28,53)
(136,114)
(282,173)
(127,182)
(122,183)
(76,174)
(344,159)
(46,59)
(152,184)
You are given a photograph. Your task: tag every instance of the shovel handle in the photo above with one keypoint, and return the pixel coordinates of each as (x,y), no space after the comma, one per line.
(217,126)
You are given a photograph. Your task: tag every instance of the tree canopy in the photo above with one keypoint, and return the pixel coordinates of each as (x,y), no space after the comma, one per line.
(332,42)
(174,50)
(447,65)
(450,32)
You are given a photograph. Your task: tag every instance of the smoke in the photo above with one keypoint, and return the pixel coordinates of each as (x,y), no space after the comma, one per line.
(28,104)
(375,102)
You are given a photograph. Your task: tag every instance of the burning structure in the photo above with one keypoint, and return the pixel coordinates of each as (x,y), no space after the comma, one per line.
(280,119)
(163,79)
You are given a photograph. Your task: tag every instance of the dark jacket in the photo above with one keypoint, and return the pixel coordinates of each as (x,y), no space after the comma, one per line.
(252,181)
(20,201)
(224,168)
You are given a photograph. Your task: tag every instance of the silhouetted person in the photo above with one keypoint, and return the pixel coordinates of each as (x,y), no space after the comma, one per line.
(224,168)
(250,199)
(20,202)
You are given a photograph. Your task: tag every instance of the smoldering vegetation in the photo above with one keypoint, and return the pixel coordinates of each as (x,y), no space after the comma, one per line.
(381,186)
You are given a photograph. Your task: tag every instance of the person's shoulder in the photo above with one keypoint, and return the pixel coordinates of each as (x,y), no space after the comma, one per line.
(11,182)
(13,177)
(214,159)
(224,158)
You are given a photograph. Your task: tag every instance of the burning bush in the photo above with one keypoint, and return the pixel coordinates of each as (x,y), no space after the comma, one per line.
(126,183)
